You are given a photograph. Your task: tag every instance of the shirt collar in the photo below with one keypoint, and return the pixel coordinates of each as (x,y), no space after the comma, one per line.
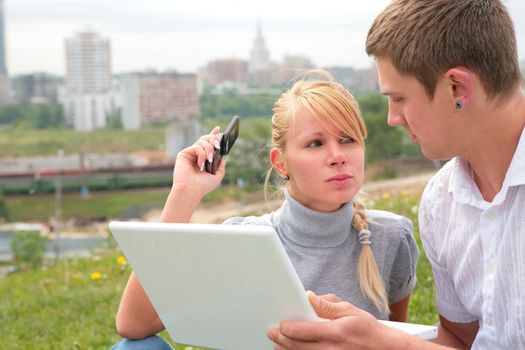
(464,189)
(516,173)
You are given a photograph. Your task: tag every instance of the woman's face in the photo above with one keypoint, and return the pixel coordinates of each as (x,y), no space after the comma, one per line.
(325,167)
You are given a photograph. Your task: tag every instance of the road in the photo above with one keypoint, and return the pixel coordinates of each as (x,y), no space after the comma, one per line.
(256,205)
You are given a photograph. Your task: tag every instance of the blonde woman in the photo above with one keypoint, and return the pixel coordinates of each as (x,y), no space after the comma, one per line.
(367,257)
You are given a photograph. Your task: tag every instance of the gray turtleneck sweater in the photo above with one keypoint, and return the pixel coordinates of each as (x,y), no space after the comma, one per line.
(324,249)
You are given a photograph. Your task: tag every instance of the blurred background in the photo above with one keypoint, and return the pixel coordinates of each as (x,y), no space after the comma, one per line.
(97,98)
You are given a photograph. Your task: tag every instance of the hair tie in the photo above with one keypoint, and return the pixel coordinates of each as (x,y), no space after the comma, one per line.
(364,236)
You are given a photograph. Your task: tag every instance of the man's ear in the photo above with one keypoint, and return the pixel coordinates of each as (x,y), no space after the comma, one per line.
(461,82)
(277,159)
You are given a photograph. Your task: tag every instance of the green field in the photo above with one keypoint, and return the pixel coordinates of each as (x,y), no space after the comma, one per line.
(103,204)
(15,142)
(34,142)
(72,305)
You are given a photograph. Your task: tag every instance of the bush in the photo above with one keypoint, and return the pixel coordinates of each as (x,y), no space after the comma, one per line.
(4,213)
(28,248)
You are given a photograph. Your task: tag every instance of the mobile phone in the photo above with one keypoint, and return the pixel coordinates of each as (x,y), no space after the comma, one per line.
(227,140)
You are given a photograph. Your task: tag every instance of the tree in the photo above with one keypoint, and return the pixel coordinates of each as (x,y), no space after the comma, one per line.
(373,104)
(114,120)
(48,115)
(26,115)
(232,103)
(29,248)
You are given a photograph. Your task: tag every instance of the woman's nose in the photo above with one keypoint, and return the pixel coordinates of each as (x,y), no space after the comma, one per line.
(337,156)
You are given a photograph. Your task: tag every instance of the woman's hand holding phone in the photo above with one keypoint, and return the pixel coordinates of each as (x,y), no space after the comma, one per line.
(198,168)
(226,142)
(189,173)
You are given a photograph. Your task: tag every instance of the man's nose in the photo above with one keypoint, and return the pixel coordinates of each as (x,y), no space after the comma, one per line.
(395,118)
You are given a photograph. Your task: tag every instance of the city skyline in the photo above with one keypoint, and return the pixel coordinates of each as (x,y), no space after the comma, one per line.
(141,33)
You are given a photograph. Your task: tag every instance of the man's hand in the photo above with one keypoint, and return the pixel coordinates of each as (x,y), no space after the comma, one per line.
(348,327)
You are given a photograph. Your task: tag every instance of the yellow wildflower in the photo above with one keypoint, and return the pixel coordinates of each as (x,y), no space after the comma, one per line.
(386,196)
(95,275)
(121,260)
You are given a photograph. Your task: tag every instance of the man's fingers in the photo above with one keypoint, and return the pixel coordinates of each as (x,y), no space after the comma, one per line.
(305,331)
(332,310)
(331,297)
(282,342)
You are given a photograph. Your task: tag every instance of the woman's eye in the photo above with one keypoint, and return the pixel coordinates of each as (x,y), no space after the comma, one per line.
(312,144)
(347,140)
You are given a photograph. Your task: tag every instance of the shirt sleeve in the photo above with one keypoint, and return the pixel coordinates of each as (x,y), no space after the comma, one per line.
(448,302)
(403,274)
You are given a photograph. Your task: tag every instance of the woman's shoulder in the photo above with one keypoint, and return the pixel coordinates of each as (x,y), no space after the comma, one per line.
(263,220)
(390,225)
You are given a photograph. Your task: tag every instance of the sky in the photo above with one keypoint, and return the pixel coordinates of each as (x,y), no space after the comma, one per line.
(185,35)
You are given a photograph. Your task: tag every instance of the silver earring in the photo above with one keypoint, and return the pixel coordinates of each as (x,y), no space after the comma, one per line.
(458,104)
(286,177)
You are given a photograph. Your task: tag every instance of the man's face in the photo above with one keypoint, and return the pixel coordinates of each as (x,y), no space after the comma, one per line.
(430,123)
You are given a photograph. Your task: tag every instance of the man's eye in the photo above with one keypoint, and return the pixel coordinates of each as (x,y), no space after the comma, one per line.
(397,99)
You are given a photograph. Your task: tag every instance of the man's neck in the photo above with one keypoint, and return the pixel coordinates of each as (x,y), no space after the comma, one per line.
(493,143)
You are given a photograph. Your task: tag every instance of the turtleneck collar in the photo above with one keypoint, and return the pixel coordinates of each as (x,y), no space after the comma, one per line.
(311,228)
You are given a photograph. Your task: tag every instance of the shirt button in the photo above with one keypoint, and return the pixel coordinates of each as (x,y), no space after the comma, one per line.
(490,268)
(488,321)
(489,215)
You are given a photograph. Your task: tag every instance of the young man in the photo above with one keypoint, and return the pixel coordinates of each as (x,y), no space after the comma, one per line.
(450,71)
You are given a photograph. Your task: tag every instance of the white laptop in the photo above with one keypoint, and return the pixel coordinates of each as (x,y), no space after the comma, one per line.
(218,286)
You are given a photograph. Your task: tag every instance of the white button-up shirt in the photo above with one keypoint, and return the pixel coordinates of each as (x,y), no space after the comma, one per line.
(477,251)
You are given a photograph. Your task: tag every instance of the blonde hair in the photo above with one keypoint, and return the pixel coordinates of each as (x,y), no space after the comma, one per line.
(329,102)
(426,38)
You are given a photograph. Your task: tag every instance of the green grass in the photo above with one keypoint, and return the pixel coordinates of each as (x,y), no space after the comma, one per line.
(62,307)
(33,142)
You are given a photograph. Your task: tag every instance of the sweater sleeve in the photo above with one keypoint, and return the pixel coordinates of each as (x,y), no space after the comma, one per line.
(403,273)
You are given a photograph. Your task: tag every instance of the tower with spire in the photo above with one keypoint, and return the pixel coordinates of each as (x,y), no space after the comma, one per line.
(260,68)
(259,55)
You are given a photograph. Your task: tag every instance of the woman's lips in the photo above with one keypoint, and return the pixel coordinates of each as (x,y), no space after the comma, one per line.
(340,180)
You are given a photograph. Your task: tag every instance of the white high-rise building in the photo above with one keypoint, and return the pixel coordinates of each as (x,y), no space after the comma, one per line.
(4,79)
(88,95)
(88,64)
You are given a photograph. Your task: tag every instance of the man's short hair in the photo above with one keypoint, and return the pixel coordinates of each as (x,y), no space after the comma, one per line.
(425,38)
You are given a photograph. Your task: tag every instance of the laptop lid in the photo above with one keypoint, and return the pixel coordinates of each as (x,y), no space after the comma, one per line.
(217,286)
(220,286)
